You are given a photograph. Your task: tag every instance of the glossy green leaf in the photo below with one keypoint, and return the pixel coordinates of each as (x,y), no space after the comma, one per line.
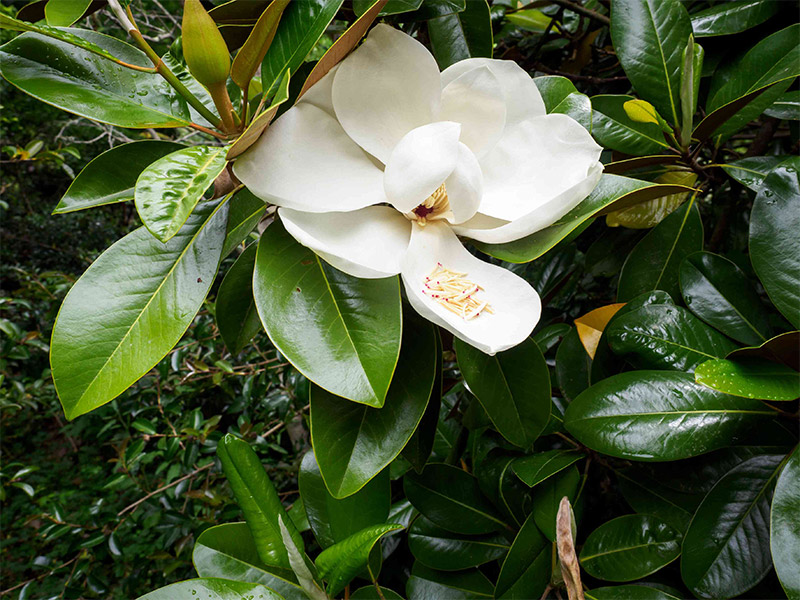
(446,551)
(498,483)
(452,499)
(655,261)
(458,36)
(419,448)
(732,17)
(300,27)
(750,378)
(426,584)
(648,495)
(535,468)
(649,37)
(774,223)
(332,519)
(629,548)
(726,548)
(340,563)
(131,307)
(245,211)
(661,415)
(169,188)
(786,106)
(237,318)
(751,171)
(81,82)
(662,336)
(629,592)
(784,534)
(613,128)
(218,589)
(783,348)
(393,7)
(579,107)
(547,497)
(257,498)
(341,332)
(573,365)
(228,551)
(111,176)
(354,442)
(613,192)
(368,592)
(512,386)
(554,90)
(63,13)
(526,569)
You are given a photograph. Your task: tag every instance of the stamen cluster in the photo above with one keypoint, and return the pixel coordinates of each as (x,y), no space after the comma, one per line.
(455,292)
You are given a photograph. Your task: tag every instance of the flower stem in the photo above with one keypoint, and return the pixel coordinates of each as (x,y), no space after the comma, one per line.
(219,93)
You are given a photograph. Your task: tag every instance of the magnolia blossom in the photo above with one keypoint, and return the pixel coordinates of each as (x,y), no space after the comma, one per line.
(385,162)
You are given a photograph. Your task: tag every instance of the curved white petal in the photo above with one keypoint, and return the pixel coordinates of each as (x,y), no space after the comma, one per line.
(368,243)
(306,161)
(464,186)
(522,97)
(515,303)
(320,94)
(496,231)
(388,86)
(535,162)
(476,100)
(420,163)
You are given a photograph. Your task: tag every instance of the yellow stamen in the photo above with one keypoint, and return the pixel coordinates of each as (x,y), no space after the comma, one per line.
(455,292)
(436,206)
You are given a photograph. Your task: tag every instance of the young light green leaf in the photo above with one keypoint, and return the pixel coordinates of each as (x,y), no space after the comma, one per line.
(63,13)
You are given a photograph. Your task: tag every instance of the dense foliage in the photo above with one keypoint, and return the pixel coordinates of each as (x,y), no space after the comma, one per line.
(642,443)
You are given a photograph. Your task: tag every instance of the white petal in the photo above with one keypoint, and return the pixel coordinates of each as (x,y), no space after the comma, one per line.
(420,163)
(306,161)
(535,162)
(464,186)
(496,231)
(476,100)
(368,243)
(320,94)
(388,86)
(515,303)
(522,97)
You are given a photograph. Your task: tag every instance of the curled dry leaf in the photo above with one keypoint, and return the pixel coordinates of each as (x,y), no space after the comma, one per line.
(565,542)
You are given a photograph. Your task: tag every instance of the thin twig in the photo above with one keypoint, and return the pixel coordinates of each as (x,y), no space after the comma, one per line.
(133,506)
(581,10)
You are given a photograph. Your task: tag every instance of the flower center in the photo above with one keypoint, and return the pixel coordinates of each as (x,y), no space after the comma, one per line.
(436,206)
(455,292)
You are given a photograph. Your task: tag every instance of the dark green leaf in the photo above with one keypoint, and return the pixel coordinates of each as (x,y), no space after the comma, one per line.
(392,7)
(341,332)
(457,36)
(732,17)
(441,549)
(783,348)
(751,171)
(613,128)
(784,534)
(368,592)
(237,318)
(573,365)
(786,106)
(535,468)
(498,482)
(547,497)
(526,570)
(750,378)
(219,589)
(554,90)
(244,214)
(427,584)
(629,592)
(418,449)
(648,495)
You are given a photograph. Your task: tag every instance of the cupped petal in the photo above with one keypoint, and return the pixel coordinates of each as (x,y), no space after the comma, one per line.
(420,163)
(522,98)
(490,230)
(306,161)
(368,243)
(515,304)
(388,86)
(476,101)
(321,93)
(535,162)
(464,186)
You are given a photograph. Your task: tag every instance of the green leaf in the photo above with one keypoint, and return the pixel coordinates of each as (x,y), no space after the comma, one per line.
(662,336)
(131,307)
(229,551)
(419,448)
(452,499)
(168,189)
(244,214)
(63,13)
(613,192)
(340,563)
(784,535)
(368,592)
(111,176)
(691,73)
(629,592)
(613,128)
(426,584)
(393,7)
(649,37)
(302,566)
(554,90)
(441,549)
(786,107)
(630,547)
(218,589)
(252,52)
(752,171)
(525,572)
(257,498)
(726,548)
(573,365)
(458,36)
(237,318)
(732,17)
(81,82)
(661,415)
(299,30)
(774,223)
(547,497)
(535,468)
(782,349)
(498,483)
(331,519)
(354,442)
(341,332)
(655,261)
(512,386)
(750,378)
(718,292)
(648,495)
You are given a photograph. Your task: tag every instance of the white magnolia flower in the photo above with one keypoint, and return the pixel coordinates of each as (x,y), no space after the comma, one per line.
(385,161)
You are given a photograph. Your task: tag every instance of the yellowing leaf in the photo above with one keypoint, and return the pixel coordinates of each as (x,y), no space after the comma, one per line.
(591,325)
